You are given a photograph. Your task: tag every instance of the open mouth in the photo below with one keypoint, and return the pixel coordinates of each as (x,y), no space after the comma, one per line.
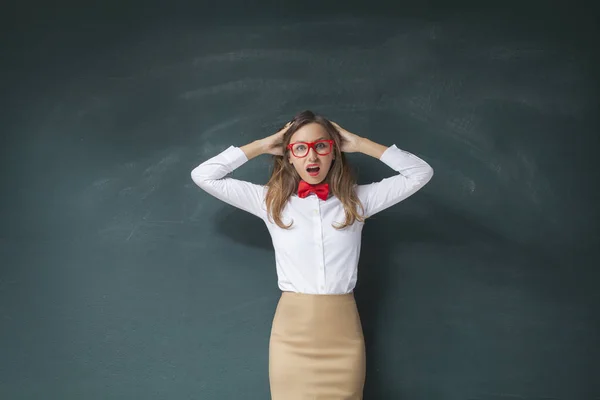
(313,171)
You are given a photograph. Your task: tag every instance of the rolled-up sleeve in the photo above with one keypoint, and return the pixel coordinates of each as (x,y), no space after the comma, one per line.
(413,174)
(211,177)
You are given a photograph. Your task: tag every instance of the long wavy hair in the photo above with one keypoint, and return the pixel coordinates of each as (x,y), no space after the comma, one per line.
(284,178)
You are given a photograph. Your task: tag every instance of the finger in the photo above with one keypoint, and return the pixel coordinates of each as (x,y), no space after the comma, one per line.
(285,126)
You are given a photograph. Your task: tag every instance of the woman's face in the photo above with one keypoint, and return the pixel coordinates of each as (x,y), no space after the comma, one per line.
(311,133)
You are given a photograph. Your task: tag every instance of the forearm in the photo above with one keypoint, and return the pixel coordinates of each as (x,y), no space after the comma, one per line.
(413,174)
(371,148)
(212,177)
(253,149)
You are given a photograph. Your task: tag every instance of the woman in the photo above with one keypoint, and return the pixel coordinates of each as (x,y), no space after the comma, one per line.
(311,208)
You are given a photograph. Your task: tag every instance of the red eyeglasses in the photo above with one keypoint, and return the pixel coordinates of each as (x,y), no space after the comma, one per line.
(301,149)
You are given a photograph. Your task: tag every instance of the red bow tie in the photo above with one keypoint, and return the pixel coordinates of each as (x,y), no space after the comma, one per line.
(321,190)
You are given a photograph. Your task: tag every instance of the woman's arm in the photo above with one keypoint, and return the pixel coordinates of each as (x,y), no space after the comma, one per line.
(371,148)
(211,177)
(253,149)
(413,174)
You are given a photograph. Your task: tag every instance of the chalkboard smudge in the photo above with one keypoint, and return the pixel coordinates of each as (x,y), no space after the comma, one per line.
(245,85)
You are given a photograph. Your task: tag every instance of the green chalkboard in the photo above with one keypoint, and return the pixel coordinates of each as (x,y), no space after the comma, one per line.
(121,279)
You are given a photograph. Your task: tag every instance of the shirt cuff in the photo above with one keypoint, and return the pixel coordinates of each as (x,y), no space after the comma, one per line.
(389,154)
(235,157)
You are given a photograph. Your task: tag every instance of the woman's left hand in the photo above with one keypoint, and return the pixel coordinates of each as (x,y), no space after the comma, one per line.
(350,141)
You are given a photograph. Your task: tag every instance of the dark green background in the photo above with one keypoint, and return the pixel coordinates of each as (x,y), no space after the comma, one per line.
(120,279)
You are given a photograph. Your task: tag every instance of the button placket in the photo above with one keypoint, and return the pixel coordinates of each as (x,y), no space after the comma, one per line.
(319,256)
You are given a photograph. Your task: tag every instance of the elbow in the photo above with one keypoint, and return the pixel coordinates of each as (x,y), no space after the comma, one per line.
(426,175)
(429,174)
(198,177)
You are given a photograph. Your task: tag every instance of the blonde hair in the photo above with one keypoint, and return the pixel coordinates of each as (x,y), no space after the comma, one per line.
(284,178)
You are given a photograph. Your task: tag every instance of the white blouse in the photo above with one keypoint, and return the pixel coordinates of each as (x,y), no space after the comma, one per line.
(312,256)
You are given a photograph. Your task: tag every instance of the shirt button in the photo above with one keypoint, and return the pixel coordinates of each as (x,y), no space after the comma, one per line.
(315,212)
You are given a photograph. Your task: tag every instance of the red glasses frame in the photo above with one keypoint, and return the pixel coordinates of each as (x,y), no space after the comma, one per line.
(312,145)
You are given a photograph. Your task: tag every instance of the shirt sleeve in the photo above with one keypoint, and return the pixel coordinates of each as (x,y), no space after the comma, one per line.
(211,177)
(413,174)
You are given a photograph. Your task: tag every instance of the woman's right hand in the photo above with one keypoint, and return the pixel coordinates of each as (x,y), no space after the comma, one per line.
(274,144)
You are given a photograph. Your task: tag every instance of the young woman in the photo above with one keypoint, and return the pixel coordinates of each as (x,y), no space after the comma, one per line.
(311,208)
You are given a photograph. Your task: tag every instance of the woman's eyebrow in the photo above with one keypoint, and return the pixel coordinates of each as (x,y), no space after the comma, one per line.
(300,140)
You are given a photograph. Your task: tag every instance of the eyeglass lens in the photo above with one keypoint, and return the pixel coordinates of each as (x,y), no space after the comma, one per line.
(301,149)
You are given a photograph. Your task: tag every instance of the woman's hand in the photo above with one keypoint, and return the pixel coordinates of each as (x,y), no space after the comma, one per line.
(350,141)
(274,144)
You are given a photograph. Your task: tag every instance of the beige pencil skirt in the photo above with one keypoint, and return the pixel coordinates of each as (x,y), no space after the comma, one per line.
(316,349)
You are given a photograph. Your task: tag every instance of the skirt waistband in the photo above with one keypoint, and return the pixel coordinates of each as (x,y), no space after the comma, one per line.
(322,302)
(318,297)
